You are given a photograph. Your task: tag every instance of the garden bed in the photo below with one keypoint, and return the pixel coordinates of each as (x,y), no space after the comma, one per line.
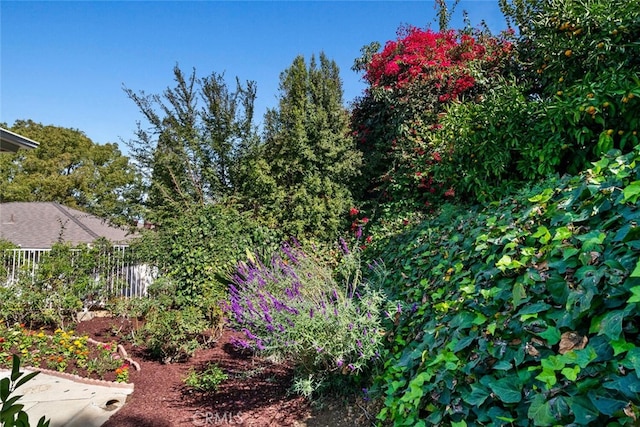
(256,392)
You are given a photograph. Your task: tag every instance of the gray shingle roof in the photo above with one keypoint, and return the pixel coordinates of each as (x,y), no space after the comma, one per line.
(38,225)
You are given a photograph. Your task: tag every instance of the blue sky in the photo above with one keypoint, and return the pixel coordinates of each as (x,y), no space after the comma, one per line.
(65,62)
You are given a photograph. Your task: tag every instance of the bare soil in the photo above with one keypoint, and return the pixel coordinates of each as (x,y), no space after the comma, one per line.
(256,393)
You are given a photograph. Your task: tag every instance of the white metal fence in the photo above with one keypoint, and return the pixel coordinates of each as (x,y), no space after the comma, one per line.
(122,274)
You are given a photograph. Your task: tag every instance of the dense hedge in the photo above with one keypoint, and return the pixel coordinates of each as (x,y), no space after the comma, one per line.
(525,313)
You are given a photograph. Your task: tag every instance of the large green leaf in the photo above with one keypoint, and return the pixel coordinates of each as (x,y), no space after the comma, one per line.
(627,385)
(582,409)
(508,389)
(540,412)
(633,360)
(611,324)
(477,395)
(631,192)
(636,271)
(606,405)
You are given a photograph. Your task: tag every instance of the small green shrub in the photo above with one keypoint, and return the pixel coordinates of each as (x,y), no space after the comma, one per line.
(490,147)
(206,380)
(173,335)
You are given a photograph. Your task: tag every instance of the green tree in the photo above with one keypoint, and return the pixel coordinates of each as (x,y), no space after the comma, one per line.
(300,179)
(581,61)
(70,169)
(190,153)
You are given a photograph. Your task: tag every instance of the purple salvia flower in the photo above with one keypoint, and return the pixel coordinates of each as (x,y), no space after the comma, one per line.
(249,334)
(339,363)
(289,293)
(311,313)
(351,366)
(359,233)
(343,245)
(250,306)
(238,343)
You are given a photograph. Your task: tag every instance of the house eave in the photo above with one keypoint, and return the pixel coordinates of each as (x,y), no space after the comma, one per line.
(12,142)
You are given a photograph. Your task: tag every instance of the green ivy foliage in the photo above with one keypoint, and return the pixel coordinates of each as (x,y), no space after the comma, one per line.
(523,313)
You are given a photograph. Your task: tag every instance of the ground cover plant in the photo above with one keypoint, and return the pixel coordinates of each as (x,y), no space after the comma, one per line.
(523,313)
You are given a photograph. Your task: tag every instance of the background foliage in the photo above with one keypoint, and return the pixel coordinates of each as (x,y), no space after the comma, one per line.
(70,169)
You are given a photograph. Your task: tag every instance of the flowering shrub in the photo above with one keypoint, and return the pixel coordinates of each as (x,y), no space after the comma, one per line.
(447,59)
(293,307)
(412,81)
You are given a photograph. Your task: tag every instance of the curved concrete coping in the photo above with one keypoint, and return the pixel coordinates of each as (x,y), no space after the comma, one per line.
(69,400)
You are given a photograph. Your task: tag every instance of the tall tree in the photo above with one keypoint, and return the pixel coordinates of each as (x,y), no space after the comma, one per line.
(69,168)
(301,179)
(190,153)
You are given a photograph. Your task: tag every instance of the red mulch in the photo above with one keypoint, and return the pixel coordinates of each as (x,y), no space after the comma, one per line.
(255,394)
